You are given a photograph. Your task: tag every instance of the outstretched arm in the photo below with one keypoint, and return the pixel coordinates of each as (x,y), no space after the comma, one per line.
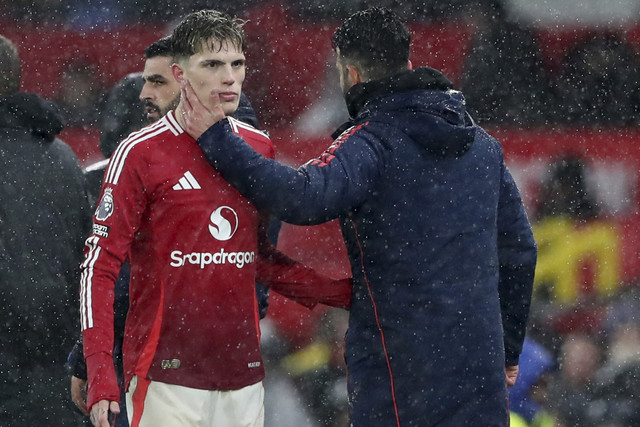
(297,281)
(327,187)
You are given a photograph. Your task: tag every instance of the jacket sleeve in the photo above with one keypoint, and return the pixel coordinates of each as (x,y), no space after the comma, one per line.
(319,191)
(517,253)
(115,221)
(75,364)
(297,281)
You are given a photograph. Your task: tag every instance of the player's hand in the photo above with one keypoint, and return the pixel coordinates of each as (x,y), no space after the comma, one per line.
(103,413)
(512,374)
(78,390)
(196,117)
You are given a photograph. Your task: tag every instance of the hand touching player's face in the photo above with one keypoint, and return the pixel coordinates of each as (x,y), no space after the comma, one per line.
(221,69)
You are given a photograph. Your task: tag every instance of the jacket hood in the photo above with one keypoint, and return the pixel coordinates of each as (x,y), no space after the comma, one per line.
(31,112)
(422,103)
(122,113)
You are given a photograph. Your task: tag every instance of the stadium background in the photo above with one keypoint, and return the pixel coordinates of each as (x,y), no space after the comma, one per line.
(289,76)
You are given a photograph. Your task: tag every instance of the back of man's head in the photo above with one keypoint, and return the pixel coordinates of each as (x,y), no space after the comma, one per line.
(376,40)
(9,67)
(206,27)
(161,47)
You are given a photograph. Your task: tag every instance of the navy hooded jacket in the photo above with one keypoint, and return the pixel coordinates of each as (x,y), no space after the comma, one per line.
(441,250)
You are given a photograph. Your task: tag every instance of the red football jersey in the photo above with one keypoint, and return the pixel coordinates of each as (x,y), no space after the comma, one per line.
(191,240)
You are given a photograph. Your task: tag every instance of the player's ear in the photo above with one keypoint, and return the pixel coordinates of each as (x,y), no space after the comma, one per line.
(178,72)
(355,75)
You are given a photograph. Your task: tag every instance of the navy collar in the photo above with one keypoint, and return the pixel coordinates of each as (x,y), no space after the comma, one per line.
(420,78)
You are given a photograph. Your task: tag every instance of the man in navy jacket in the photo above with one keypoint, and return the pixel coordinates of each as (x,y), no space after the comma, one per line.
(441,250)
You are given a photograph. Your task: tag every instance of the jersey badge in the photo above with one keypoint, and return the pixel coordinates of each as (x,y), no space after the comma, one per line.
(105,208)
(170,364)
(224,223)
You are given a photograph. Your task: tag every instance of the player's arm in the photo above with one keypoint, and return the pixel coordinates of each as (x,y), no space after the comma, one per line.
(339,180)
(296,281)
(333,184)
(115,221)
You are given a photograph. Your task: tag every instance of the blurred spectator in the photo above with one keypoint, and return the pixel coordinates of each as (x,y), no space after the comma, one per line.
(172,10)
(28,11)
(80,93)
(504,80)
(563,198)
(577,257)
(565,191)
(319,371)
(618,382)
(44,219)
(600,83)
(109,13)
(410,11)
(284,404)
(92,14)
(571,391)
(528,399)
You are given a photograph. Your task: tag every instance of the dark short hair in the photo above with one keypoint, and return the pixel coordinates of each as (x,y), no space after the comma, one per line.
(376,39)
(10,68)
(160,47)
(206,26)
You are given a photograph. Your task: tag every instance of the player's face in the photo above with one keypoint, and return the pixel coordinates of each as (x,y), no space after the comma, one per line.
(161,91)
(221,70)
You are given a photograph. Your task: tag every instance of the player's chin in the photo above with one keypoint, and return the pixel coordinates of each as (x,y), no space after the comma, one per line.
(230,107)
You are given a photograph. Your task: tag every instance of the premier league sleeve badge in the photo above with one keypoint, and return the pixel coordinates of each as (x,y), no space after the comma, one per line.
(105,208)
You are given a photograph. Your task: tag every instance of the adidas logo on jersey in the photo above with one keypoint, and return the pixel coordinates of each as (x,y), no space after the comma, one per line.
(187,182)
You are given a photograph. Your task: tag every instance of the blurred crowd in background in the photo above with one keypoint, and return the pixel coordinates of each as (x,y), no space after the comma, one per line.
(114,13)
(513,69)
(581,363)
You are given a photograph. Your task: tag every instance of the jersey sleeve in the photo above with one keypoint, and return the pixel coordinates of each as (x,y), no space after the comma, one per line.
(115,221)
(319,191)
(296,281)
